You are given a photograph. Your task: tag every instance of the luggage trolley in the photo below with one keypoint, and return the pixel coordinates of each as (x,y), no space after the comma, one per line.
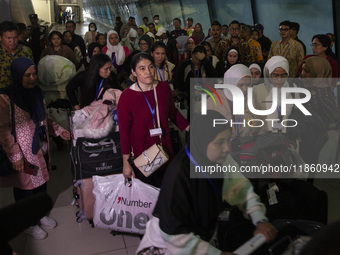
(92,156)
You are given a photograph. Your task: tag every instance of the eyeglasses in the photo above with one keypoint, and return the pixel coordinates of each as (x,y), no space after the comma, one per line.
(315,44)
(284,29)
(234,29)
(276,76)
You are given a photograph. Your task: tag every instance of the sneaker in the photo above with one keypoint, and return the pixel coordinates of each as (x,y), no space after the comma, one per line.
(48,222)
(36,232)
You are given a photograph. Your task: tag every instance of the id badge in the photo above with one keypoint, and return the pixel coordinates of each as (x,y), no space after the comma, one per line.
(155,132)
(277,127)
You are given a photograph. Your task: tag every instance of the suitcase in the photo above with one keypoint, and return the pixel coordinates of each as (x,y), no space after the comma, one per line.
(100,156)
(85,199)
(296,200)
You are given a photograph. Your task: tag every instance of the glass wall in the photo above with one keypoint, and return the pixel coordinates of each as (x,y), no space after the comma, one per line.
(229,10)
(314,17)
(198,10)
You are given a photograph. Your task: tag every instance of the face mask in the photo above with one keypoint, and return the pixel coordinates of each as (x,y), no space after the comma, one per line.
(92,29)
(156,21)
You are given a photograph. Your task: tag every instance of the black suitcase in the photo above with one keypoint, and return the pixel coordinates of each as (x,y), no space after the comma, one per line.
(296,200)
(102,156)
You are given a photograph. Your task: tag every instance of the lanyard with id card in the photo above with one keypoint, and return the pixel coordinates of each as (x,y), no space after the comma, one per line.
(277,127)
(156,131)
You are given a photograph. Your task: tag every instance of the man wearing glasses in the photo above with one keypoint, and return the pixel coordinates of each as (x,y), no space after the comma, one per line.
(287,47)
(235,40)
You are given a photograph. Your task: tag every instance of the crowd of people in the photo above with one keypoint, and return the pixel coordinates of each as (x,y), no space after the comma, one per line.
(153,68)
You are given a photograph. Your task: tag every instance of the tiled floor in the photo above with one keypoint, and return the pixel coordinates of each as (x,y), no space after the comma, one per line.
(69,237)
(72,238)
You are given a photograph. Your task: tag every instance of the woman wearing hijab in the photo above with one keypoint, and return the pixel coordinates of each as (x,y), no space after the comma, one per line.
(31,142)
(320,86)
(239,76)
(144,45)
(276,72)
(198,32)
(115,51)
(185,216)
(312,130)
(191,43)
(256,73)
(232,57)
(131,40)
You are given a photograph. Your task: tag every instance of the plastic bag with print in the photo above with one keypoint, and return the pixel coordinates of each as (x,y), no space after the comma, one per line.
(123,206)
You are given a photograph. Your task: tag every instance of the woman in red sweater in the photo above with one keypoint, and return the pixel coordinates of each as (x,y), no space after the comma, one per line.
(137,116)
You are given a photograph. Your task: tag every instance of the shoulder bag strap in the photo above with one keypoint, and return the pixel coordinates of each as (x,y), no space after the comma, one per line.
(158,120)
(157,112)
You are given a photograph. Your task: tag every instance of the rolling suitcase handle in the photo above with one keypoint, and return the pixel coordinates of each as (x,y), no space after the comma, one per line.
(250,246)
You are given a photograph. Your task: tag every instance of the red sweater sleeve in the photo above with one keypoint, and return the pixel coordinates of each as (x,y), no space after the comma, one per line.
(125,122)
(174,115)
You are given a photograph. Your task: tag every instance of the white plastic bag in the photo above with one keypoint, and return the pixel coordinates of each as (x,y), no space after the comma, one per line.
(55,70)
(121,206)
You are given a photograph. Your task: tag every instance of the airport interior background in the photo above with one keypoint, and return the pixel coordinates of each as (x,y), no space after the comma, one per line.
(71,237)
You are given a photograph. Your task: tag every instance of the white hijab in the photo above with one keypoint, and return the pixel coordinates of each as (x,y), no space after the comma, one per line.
(256,66)
(118,49)
(272,63)
(132,33)
(233,75)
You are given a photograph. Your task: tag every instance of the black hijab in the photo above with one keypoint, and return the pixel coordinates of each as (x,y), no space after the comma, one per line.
(186,204)
(227,65)
(30,100)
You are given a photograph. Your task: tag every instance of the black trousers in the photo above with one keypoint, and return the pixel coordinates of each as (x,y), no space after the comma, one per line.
(20,194)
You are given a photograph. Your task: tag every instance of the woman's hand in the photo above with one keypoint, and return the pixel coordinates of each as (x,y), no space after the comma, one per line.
(65,135)
(187,128)
(200,56)
(267,229)
(19,165)
(76,107)
(127,168)
(128,171)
